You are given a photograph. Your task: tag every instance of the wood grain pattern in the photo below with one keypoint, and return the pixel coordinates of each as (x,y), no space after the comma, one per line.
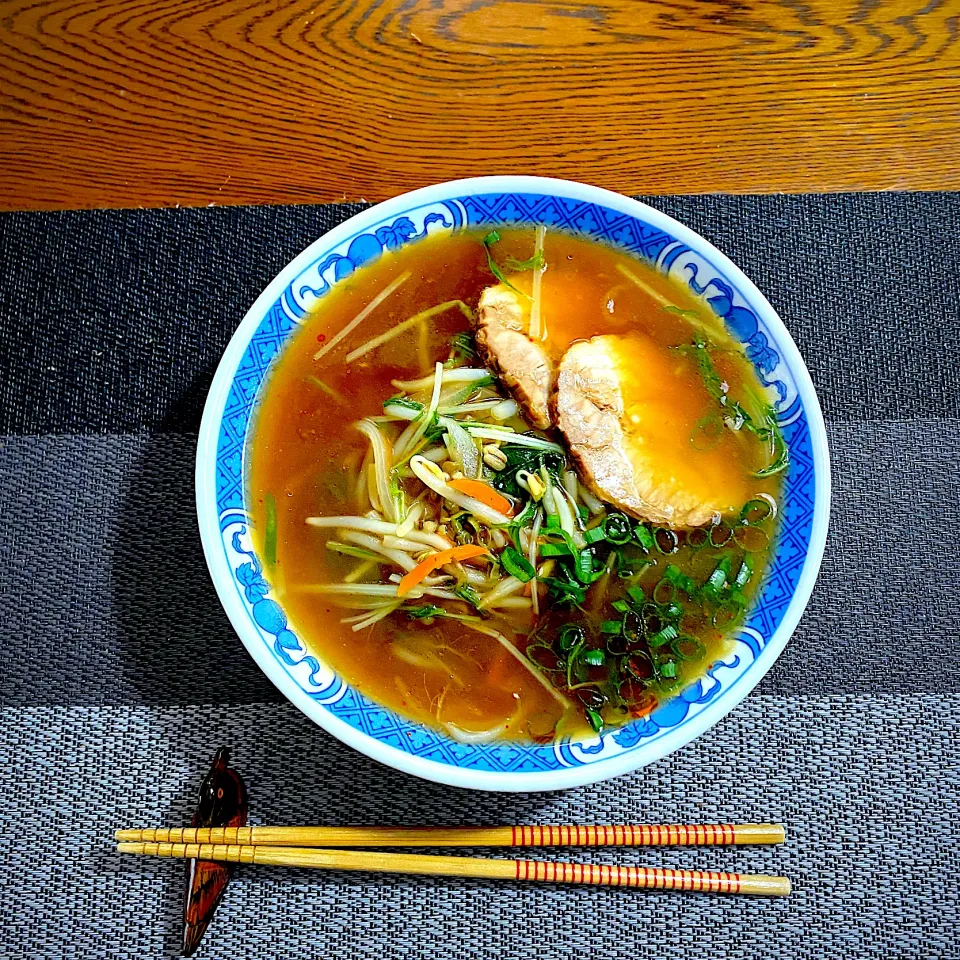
(161,102)
(563,835)
(647,878)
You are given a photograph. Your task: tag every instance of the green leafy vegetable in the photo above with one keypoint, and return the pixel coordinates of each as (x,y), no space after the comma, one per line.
(488,241)
(425,612)
(465,393)
(517,565)
(463,346)
(563,590)
(536,262)
(404,403)
(467,593)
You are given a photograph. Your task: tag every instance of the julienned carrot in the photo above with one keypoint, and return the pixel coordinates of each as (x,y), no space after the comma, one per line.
(484,493)
(425,567)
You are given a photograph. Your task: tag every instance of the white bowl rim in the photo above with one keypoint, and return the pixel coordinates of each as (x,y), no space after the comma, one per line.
(629,760)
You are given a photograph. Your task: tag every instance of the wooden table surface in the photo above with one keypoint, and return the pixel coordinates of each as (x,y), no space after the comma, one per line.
(158,102)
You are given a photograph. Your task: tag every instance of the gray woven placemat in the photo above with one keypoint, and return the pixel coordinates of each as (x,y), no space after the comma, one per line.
(119,674)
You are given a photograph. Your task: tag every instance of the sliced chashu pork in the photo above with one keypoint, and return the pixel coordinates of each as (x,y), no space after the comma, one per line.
(522,365)
(628,408)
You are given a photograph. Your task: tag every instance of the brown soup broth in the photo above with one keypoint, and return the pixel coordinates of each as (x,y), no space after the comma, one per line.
(306,454)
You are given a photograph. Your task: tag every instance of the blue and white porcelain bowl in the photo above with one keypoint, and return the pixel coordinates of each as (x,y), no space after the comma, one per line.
(274,641)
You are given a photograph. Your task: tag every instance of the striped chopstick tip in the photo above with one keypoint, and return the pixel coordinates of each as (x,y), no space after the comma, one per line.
(122,836)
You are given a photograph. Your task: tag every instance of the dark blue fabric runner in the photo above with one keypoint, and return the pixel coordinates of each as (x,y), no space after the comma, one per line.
(119,673)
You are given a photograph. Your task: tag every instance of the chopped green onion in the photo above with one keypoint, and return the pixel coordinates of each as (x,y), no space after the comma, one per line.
(544,657)
(616,528)
(565,591)
(630,568)
(664,596)
(517,565)
(595,658)
(571,636)
(707,433)
(752,539)
(680,580)
(688,648)
(554,550)
(617,644)
(666,540)
(639,666)
(596,721)
(594,535)
(782,459)
(668,669)
(757,510)
(611,626)
(697,538)
(671,611)
(270,529)
(644,537)
(718,579)
(583,566)
(744,573)
(728,612)
(636,594)
(658,639)
(632,626)
(553,522)
(621,606)
(724,528)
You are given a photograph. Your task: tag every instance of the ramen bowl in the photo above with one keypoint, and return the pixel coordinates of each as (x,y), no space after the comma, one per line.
(273,639)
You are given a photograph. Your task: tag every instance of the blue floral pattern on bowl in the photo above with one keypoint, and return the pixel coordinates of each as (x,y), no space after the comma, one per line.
(692,263)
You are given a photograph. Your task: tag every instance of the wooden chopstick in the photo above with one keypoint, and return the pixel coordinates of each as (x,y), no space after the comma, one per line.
(649,835)
(686,881)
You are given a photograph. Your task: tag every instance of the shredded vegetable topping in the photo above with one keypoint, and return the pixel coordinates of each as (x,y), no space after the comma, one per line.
(468,515)
(484,581)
